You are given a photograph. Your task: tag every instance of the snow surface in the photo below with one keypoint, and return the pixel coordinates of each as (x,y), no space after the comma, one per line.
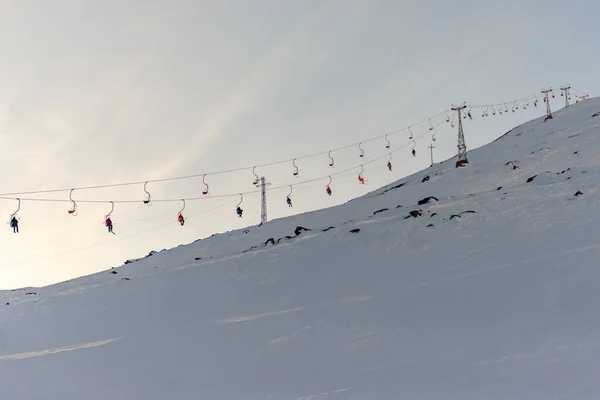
(502,303)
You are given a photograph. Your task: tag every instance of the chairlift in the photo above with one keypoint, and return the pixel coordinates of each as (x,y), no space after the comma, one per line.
(73,210)
(238,209)
(147,200)
(180,217)
(205,191)
(288,200)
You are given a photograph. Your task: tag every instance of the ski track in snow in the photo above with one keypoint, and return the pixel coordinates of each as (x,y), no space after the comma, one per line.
(47,352)
(249,318)
(291,337)
(325,394)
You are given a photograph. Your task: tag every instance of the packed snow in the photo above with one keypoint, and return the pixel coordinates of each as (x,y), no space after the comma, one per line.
(489,289)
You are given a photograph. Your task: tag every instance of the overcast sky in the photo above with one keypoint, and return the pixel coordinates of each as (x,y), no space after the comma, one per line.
(103,92)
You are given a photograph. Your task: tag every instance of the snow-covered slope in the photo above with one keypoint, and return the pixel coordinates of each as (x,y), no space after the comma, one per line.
(490,291)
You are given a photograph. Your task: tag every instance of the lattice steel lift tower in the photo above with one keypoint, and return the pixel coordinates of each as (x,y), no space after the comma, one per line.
(565,92)
(547,101)
(462,147)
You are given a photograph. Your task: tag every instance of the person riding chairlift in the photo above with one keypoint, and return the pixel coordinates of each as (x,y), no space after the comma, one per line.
(14,223)
(109,225)
(181,219)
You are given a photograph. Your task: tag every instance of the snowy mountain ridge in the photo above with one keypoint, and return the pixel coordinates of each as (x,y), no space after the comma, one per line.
(453,283)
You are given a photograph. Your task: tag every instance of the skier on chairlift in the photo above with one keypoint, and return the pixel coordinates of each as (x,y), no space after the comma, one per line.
(109,225)
(14,223)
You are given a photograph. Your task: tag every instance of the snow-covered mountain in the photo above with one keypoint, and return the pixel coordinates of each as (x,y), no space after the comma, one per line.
(455,283)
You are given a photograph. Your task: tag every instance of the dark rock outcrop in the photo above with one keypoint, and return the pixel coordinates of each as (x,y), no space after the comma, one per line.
(251,248)
(415,213)
(300,229)
(392,188)
(284,238)
(427,200)
(460,214)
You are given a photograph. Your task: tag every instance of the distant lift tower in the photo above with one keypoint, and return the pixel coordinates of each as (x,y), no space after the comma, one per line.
(566,94)
(263,200)
(431,147)
(547,101)
(462,147)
